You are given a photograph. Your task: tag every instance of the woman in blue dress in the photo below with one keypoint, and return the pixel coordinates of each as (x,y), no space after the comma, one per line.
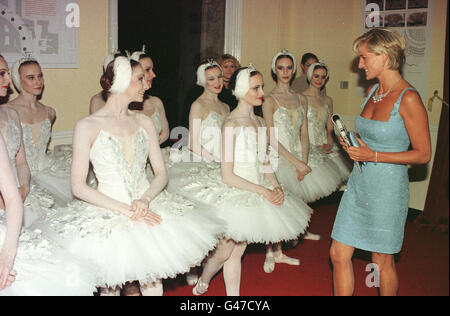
(393,130)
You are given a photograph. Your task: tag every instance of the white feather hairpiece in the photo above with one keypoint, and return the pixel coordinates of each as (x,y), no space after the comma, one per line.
(201,77)
(15,76)
(243,82)
(283,52)
(110,58)
(311,70)
(122,75)
(136,55)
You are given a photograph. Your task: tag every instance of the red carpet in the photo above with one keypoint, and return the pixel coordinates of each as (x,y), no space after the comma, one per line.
(422,266)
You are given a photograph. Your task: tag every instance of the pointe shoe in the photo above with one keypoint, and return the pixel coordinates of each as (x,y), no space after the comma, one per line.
(288,260)
(311,236)
(200,288)
(269,264)
(191,279)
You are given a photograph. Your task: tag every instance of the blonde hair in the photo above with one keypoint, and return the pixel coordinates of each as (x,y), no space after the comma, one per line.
(227,57)
(383,40)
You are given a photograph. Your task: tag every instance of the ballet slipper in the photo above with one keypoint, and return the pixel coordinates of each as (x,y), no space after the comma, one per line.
(191,278)
(200,288)
(288,260)
(311,236)
(269,264)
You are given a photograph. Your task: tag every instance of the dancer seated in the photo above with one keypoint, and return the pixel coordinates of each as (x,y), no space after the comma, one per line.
(129,227)
(48,171)
(36,199)
(99,100)
(152,106)
(29,264)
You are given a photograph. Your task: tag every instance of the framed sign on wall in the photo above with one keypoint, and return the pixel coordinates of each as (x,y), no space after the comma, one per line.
(43,29)
(412,19)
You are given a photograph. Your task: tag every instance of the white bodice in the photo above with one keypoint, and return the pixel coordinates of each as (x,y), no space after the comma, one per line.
(211,131)
(156,118)
(288,123)
(249,155)
(317,121)
(119,165)
(11,134)
(36,138)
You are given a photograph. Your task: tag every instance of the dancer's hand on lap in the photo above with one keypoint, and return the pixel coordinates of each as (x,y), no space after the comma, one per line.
(150,218)
(139,208)
(275,196)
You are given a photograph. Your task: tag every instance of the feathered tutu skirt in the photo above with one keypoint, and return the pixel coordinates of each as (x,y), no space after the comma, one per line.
(342,161)
(37,204)
(323,180)
(249,217)
(55,177)
(45,269)
(127,250)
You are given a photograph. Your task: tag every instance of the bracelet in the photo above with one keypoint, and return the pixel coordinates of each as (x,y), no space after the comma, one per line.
(376,157)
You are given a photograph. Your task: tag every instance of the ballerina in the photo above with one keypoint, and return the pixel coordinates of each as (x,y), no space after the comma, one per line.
(284,110)
(37,200)
(130,228)
(152,106)
(37,119)
(287,111)
(301,83)
(255,209)
(206,117)
(29,264)
(99,100)
(320,124)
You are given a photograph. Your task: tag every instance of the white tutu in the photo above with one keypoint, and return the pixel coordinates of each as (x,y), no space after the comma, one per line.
(323,180)
(49,170)
(342,161)
(249,216)
(128,250)
(45,269)
(37,204)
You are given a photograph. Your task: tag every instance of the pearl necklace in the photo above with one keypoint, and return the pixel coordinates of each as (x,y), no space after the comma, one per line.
(378,97)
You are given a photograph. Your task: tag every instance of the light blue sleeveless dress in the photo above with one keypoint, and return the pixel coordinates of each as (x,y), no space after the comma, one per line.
(373,209)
